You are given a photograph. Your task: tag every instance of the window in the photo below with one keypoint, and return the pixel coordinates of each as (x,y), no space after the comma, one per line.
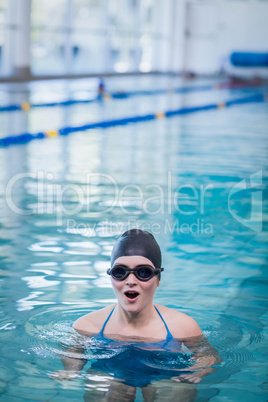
(84,36)
(48,36)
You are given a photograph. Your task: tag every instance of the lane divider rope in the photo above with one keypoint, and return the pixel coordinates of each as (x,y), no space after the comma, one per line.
(27,137)
(26,106)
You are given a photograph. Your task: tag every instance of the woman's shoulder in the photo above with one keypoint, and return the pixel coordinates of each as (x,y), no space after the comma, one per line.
(91,323)
(180,325)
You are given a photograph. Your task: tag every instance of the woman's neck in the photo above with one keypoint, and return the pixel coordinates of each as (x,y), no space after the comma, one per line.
(137,319)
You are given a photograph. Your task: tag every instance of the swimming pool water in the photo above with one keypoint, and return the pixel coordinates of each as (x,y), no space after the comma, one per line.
(65,200)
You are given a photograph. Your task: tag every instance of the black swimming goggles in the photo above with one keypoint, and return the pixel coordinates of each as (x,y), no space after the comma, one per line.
(142,272)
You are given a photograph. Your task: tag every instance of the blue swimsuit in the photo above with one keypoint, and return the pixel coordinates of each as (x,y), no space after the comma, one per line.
(138,364)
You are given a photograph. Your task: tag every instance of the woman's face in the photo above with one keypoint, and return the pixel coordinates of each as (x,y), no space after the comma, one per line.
(132,294)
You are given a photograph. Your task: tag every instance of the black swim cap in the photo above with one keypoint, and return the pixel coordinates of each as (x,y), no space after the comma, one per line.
(137,242)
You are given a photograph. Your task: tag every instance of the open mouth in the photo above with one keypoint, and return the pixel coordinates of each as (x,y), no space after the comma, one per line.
(131,294)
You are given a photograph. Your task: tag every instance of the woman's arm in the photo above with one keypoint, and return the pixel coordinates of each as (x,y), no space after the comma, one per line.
(72,360)
(73,363)
(205,357)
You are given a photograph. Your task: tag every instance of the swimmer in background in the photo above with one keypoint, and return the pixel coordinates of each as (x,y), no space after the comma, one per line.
(101,89)
(136,266)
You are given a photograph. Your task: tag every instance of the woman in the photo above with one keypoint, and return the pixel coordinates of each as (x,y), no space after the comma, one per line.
(135,275)
(141,329)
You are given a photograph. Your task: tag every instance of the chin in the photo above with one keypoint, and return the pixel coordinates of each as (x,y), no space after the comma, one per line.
(130,307)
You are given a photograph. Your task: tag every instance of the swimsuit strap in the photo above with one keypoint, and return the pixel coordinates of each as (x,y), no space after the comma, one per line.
(169,335)
(105,322)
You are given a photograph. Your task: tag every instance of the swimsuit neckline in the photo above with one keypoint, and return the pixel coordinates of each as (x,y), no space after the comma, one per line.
(169,336)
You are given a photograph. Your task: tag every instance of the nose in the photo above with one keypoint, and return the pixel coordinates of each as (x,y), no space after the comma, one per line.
(131,279)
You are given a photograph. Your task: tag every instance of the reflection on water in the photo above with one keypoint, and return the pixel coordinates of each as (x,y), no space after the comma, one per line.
(65,200)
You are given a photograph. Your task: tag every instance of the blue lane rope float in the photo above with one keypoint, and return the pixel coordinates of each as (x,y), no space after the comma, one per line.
(116,95)
(249,59)
(27,137)
(26,106)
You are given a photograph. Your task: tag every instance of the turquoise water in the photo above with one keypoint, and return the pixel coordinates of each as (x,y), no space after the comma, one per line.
(65,200)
